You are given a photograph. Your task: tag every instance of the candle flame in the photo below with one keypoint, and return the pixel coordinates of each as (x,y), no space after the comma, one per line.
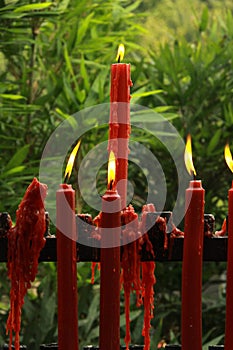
(228,157)
(120,53)
(71,159)
(111,169)
(188,157)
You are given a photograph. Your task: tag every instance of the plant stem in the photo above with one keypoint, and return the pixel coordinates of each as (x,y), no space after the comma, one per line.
(31,94)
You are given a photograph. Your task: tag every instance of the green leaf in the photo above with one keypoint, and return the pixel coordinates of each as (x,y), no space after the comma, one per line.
(204,20)
(83,26)
(170,116)
(133,315)
(214,142)
(84,74)
(68,61)
(92,312)
(71,120)
(62,5)
(215,340)
(162,109)
(12,97)
(13,171)
(18,158)
(33,7)
(150,116)
(145,94)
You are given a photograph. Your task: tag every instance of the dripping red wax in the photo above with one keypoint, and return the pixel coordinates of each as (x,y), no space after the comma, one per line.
(25,241)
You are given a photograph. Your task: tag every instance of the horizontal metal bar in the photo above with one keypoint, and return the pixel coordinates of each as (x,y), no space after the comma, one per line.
(215,249)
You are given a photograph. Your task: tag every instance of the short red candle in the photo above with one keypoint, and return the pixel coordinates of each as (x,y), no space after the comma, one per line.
(66,269)
(191,322)
(229,291)
(110,272)
(119,124)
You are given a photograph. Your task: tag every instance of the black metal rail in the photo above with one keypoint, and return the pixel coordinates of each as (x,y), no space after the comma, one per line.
(215,249)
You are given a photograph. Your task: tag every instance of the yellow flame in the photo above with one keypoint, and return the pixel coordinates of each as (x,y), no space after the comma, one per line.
(120,53)
(228,157)
(71,159)
(188,157)
(111,168)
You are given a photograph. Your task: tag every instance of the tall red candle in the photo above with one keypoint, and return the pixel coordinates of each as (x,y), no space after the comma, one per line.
(119,124)
(229,289)
(191,320)
(110,270)
(192,268)
(66,269)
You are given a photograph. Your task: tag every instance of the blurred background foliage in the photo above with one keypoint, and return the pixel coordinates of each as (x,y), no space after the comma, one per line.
(54,61)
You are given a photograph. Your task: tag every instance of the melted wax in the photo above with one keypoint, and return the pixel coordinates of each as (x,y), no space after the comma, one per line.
(25,241)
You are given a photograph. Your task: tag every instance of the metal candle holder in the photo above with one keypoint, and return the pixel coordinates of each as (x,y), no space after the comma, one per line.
(215,249)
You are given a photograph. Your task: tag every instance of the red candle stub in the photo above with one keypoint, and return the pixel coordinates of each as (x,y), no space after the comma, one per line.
(25,241)
(66,269)
(192,268)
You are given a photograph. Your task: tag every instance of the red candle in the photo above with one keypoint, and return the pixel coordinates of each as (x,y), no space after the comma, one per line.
(66,263)
(191,321)
(110,270)
(119,124)
(66,269)
(229,290)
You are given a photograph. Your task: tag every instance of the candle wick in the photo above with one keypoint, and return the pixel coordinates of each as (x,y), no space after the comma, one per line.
(66,178)
(119,59)
(111,185)
(194,177)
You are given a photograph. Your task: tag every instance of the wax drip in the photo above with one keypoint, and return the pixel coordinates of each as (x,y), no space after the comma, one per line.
(25,241)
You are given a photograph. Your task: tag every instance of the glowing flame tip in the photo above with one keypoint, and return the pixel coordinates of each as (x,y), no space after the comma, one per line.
(120,53)
(111,168)
(71,159)
(228,157)
(188,157)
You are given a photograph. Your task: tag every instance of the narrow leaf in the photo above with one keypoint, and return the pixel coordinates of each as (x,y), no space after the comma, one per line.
(18,157)
(12,97)
(83,26)
(204,20)
(13,171)
(214,141)
(33,7)
(84,73)
(148,93)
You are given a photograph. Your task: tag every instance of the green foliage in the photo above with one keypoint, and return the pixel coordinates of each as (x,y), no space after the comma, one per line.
(196,79)
(53,65)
